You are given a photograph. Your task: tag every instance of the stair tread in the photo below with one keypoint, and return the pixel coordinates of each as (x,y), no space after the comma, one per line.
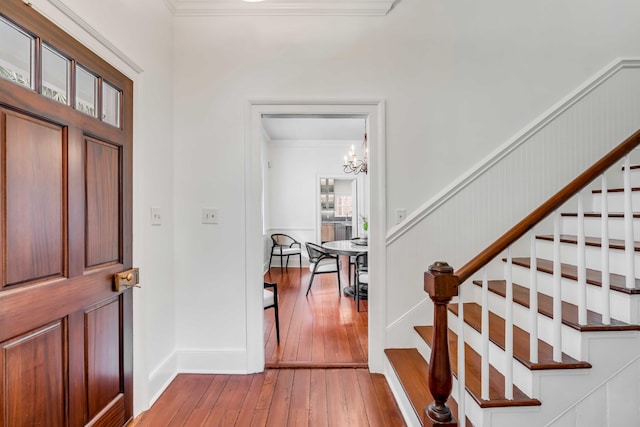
(599,214)
(413,372)
(521,343)
(569,311)
(615,190)
(589,241)
(569,271)
(473,374)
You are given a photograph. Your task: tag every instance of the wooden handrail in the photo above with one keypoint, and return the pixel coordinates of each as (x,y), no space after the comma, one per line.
(548,207)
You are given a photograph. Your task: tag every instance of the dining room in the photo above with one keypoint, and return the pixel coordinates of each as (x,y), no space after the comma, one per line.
(312,197)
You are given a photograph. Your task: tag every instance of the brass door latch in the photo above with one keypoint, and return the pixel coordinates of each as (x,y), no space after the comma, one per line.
(126,279)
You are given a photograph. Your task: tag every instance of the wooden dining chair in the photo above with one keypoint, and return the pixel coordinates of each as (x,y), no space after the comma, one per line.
(270,300)
(362,277)
(285,246)
(321,262)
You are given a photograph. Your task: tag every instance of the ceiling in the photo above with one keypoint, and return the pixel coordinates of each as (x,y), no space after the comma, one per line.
(314,128)
(280,7)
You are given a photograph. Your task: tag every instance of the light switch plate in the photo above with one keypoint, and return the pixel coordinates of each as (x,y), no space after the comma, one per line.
(401,214)
(209,216)
(156,216)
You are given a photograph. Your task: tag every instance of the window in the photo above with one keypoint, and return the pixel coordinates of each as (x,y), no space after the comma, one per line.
(16,54)
(56,75)
(86,92)
(18,62)
(110,104)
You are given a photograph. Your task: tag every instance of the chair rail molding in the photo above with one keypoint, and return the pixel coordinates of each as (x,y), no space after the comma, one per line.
(510,145)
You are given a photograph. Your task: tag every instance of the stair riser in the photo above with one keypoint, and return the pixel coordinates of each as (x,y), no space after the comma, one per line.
(634,174)
(522,376)
(592,227)
(615,177)
(615,201)
(593,256)
(622,305)
(572,339)
(559,389)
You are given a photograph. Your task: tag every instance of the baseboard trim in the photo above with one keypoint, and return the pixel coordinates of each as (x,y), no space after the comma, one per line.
(162,376)
(316,365)
(207,361)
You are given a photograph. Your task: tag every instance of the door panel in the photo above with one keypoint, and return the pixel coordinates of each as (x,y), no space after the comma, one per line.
(37,396)
(102,326)
(103,203)
(33,182)
(66,229)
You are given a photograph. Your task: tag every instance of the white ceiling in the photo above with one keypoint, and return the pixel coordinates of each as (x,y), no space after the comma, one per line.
(302,128)
(280,7)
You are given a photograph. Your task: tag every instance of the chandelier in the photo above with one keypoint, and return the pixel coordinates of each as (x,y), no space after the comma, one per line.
(352,164)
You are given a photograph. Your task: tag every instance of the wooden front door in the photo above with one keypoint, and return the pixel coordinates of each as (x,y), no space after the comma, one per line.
(65,209)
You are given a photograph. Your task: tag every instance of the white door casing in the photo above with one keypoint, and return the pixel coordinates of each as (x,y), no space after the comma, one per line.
(374,110)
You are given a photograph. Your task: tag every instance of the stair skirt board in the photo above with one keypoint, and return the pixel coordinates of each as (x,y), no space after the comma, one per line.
(409,412)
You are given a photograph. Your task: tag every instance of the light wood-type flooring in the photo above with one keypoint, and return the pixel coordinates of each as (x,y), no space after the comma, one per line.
(317,376)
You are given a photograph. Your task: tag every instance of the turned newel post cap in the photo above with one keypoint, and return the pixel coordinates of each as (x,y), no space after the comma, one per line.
(440,267)
(440,282)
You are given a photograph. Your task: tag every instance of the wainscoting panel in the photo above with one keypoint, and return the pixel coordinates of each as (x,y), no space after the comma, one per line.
(502,189)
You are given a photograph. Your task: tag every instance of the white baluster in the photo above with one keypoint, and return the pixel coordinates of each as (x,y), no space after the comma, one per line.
(508,332)
(628,225)
(582,268)
(533,301)
(604,211)
(557,290)
(461,364)
(484,372)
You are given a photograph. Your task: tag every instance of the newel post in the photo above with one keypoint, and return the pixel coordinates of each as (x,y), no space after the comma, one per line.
(441,285)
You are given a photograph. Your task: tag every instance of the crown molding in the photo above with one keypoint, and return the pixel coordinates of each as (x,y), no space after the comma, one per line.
(280,7)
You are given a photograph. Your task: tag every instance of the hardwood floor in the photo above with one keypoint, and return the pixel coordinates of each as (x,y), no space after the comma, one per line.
(324,338)
(321,330)
(276,397)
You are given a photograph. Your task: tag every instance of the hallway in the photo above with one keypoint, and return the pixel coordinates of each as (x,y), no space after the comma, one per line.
(318,375)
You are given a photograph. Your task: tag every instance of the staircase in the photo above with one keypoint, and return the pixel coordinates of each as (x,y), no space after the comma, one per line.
(562,314)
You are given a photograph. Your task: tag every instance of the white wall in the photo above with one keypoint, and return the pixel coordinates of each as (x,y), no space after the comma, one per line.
(292,188)
(143,32)
(459,78)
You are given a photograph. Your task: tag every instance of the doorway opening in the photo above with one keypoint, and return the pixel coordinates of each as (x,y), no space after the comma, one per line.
(309,197)
(258,241)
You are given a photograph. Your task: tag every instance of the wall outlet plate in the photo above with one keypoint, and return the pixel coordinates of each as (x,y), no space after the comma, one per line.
(209,216)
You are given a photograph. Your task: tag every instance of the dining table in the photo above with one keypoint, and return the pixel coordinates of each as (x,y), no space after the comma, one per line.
(349,248)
